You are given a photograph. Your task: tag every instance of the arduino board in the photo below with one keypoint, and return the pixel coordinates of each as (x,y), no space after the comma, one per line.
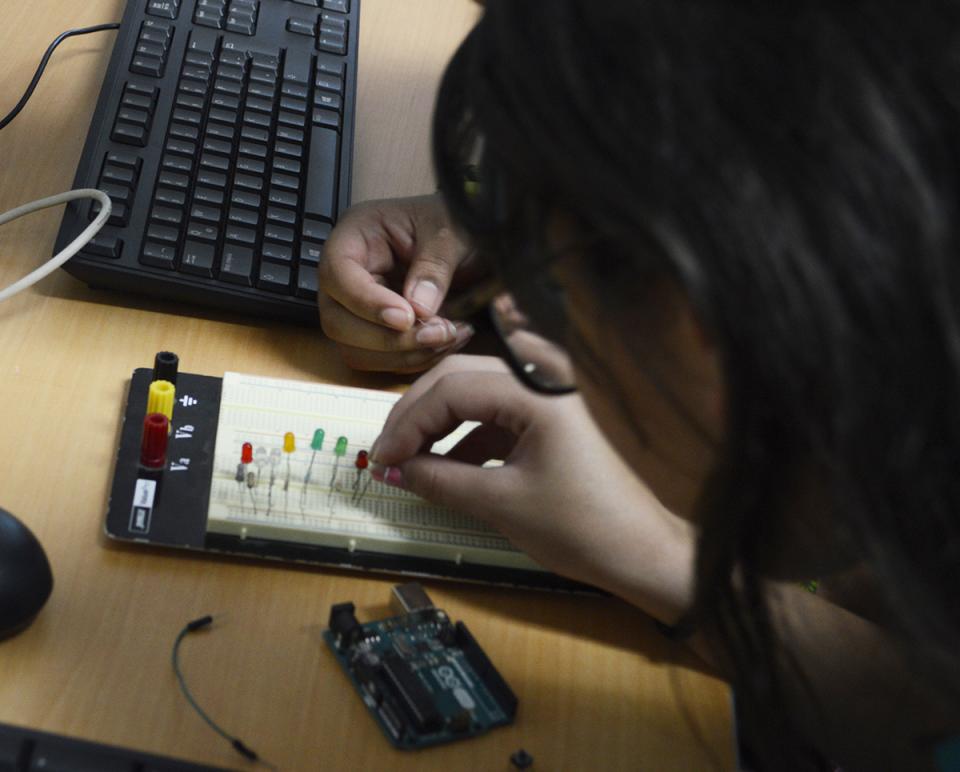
(423,678)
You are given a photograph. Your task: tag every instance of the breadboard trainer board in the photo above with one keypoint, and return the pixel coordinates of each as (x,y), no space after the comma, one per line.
(193,500)
(313,496)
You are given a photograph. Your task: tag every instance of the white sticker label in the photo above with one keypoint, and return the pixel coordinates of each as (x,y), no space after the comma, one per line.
(142,509)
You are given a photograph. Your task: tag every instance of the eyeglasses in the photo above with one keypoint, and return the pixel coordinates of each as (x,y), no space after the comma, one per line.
(527,345)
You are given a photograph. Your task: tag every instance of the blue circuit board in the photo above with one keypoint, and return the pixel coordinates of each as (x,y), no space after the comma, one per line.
(423,678)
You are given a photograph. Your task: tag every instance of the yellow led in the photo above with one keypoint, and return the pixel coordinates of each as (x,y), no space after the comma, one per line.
(289,443)
(160,398)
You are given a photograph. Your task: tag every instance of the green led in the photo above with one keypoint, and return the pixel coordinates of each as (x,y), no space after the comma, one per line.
(317,441)
(341,447)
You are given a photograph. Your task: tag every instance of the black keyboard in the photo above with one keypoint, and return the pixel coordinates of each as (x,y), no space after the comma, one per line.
(223,135)
(25,750)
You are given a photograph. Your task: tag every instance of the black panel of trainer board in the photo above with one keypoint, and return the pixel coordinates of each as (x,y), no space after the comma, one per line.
(178,517)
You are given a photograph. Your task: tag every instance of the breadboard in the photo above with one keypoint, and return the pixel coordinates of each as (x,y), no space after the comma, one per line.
(311,502)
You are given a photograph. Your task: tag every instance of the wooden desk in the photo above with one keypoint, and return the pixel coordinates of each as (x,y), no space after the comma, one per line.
(598,688)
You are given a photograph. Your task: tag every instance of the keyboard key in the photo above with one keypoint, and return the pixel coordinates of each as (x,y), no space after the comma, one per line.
(252,118)
(238,235)
(165,214)
(202,231)
(286,165)
(310,254)
(163,233)
(173,180)
(274,277)
(253,134)
(296,67)
(177,163)
(295,90)
(247,217)
(217,147)
(331,65)
(316,231)
(122,158)
(103,245)
(158,255)
(281,216)
(170,197)
(340,6)
(251,165)
(226,101)
(335,44)
(328,101)
(293,105)
(215,162)
(263,91)
(283,198)
(129,135)
(244,199)
(253,150)
(189,101)
(277,253)
(301,27)
(307,282)
(248,182)
(213,179)
(260,105)
(286,118)
(181,147)
(278,233)
(184,131)
(332,83)
(147,66)
(285,182)
(219,131)
(326,118)
(208,196)
(321,193)
(289,134)
(185,115)
(204,213)
(119,174)
(197,259)
(236,265)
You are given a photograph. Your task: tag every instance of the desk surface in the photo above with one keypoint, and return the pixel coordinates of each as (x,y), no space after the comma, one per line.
(598,688)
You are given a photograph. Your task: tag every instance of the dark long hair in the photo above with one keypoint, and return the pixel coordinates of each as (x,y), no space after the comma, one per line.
(794,167)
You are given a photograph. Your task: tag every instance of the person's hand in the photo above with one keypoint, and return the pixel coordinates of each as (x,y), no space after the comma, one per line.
(563,495)
(385,272)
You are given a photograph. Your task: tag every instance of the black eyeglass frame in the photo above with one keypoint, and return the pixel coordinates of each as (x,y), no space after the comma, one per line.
(476,307)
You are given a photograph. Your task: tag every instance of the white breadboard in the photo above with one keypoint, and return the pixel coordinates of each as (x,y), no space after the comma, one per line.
(312,511)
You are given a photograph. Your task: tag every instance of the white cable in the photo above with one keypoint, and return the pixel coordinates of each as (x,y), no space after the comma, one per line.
(89,233)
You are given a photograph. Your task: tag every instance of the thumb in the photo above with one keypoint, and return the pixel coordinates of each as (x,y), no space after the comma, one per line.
(431,272)
(465,488)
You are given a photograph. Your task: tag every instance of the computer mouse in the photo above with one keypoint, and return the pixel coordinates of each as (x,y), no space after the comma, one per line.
(25,577)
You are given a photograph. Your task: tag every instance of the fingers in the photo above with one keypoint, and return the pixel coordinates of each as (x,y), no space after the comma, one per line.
(487,397)
(346,281)
(485,443)
(431,271)
(451,364)
(462,487)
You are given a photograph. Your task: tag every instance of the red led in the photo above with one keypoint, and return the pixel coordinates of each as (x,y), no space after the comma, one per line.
(153,448)
(361,462)
(246,453)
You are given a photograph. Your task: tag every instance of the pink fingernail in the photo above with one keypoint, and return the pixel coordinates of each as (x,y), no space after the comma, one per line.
(393,477)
